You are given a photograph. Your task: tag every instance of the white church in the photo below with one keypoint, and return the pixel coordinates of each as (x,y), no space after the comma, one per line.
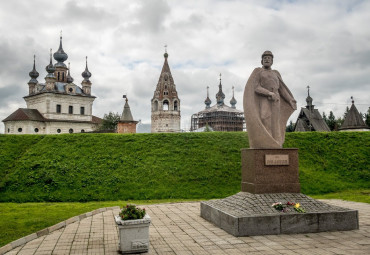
(56,106)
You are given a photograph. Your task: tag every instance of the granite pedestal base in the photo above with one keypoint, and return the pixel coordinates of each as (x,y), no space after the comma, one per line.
(270,171)
(247,214)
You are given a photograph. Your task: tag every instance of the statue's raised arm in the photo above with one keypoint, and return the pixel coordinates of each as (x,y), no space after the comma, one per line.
(268,104)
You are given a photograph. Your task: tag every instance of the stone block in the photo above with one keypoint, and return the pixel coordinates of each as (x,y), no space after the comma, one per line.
(82,216)
(72,220)
(95,212)
(259,225)
(247,214)
(6,248)
(338,221)
(57,226)
(205,211)
(42,232)
(19,242)
(299,223)
(215,216)
(229,223)
(30,237)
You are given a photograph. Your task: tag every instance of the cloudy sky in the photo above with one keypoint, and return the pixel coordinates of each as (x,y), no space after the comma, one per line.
(324,44)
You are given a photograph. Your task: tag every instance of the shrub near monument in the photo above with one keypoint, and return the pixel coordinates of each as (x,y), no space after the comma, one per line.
(88,167)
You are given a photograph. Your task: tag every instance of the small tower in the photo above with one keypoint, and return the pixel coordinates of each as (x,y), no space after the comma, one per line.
(166,116)
(353,120)
(233,101)
(208,101)
(220,96)
(50,77)
(309,105)
(309,118)
(60,68)
(33,74)
(86,83)
(126,123)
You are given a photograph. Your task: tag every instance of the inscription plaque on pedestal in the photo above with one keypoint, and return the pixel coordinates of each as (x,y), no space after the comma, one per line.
(276,160)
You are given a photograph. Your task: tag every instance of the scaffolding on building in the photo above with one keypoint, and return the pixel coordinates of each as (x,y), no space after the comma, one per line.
(219,118)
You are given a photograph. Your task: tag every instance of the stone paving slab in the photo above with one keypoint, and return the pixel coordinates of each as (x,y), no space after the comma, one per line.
(177,228)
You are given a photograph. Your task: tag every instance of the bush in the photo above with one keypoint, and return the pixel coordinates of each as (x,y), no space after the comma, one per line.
(131,212)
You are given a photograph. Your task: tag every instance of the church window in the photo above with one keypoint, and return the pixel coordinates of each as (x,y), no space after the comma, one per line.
(58,130)
(62,76)
(59,108)
(58,76)
(70,90)
(165,105)
(36,130)
(82,130)
(155,105)
(175,106)
(8,130)
(70,109)
(19,130)
(70,130)
(82,110)
(165,87)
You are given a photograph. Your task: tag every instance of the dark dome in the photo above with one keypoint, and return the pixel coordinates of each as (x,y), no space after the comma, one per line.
(233,101)
(86,74)
(60,55)
(50,68)
(34,74)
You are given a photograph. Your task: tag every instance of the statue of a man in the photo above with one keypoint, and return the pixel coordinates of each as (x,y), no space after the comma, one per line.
(268,104)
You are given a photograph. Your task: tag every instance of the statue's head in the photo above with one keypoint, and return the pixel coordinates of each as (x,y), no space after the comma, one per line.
(267,59)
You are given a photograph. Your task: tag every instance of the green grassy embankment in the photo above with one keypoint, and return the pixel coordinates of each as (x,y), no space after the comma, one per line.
(101,167)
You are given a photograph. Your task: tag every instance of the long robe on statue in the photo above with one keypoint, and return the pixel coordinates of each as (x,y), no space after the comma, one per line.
(266,119)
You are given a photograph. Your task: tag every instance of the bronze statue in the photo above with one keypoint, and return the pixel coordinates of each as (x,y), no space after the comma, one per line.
(268,104)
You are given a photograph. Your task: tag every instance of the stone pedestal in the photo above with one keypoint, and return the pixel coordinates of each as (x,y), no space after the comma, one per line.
(270,171)
(246,214)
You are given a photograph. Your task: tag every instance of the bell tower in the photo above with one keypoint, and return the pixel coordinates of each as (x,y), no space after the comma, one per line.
(166,116)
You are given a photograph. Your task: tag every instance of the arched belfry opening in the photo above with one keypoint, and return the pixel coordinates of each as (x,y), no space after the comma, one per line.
(166,105)
(175,108)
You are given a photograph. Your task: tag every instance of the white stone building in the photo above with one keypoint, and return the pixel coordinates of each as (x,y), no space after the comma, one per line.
(56,106)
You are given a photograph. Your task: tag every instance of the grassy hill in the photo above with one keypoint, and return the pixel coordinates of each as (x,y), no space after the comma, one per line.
(87,167)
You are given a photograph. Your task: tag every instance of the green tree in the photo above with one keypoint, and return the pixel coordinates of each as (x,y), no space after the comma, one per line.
(290,127)
(345,113)
(367,117)
(332,124)
(110,121)
(207,129)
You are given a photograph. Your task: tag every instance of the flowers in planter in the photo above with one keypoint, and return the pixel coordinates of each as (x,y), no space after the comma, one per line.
(284,207)
(131,212)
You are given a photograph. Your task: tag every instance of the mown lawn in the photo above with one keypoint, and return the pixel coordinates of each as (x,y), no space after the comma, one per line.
(21,219)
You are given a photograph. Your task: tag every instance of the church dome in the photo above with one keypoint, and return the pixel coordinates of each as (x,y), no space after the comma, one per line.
(60,56)
(69,77)
(233,101)
(50,67)
(86,74)
(33,74)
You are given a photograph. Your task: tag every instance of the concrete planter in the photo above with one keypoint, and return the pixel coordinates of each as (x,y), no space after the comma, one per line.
(133,234)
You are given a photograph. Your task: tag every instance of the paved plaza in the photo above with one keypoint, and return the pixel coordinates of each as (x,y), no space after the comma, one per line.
(177,228)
